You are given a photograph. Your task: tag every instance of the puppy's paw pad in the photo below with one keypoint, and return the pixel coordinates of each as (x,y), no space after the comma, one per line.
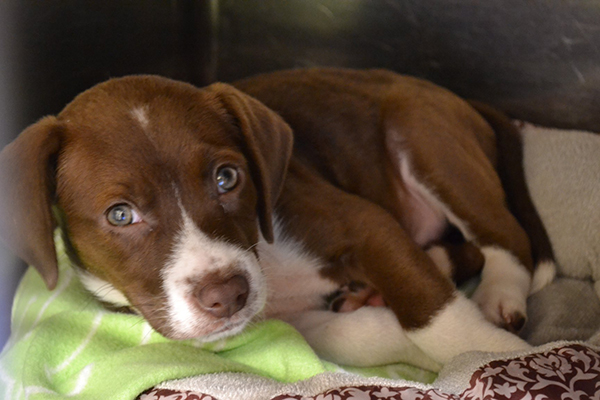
(514,322)
(354,296)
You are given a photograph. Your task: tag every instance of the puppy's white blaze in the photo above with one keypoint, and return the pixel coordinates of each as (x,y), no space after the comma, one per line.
(103,290)
(460,327)
(432,208)
(440,257)
(140,114)
(193,256)
(544,274)
(505,285)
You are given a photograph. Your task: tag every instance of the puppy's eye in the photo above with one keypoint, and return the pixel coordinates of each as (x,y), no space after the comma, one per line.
(122,215)
(227,178)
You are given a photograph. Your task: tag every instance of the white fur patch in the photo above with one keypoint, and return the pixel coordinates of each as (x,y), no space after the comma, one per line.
(433,212)
(504,287)
(369,336)
(460,327)
(193,256)
(140,114)
(103,290)
(292,276)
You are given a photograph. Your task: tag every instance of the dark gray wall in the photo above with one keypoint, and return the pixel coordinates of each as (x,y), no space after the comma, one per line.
(536,59)
(9,269)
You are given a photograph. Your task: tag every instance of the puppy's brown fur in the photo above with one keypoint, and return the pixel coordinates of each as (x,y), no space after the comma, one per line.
(353,129)
(382,167)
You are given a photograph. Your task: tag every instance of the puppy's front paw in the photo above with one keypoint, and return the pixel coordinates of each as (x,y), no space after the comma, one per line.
(354,296)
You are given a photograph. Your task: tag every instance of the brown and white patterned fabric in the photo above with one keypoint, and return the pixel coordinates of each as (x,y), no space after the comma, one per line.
(570,371)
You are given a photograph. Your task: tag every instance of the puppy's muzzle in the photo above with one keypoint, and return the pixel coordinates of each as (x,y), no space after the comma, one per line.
(222,298)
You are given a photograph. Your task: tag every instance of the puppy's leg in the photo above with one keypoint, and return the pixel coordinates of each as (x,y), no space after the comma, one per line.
(369,336)
(372,336)
(461,327)
(363,242)
(504,287)
(446,256)
(445,165)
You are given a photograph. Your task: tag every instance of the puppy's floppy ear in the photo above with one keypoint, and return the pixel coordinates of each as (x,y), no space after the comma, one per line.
(26,196)
(268,140)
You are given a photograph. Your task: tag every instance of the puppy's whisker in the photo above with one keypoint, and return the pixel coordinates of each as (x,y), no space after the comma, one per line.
(138,321)
(252,247)
(104,290)
(147,335)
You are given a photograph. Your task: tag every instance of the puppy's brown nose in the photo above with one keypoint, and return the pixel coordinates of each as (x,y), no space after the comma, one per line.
(223,298)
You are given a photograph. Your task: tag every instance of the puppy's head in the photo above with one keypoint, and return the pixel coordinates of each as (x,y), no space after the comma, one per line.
(161,190)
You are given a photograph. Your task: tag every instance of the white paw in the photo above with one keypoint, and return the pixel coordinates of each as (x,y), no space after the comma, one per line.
(503,306)
(460,327)
(502,293)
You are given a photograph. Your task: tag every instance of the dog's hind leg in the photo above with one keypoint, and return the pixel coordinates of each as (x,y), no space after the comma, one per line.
(366,337)
(444,162)
(360,241)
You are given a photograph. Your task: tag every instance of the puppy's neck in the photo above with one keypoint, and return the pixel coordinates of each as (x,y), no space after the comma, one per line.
(285,263)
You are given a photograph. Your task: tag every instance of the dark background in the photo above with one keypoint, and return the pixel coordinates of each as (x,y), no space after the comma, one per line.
(536,60)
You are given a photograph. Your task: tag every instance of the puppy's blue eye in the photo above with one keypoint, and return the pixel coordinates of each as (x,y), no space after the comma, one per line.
(121,215)
(227,179)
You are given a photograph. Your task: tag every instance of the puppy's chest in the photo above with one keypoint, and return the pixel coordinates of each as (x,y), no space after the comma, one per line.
(293,278)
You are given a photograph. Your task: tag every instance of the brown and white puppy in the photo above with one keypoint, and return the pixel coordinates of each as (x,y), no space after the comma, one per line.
(168,197)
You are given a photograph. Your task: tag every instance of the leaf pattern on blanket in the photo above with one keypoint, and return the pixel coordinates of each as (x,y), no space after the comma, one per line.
(166,394)
(375,393)
(570,372)
(345,393)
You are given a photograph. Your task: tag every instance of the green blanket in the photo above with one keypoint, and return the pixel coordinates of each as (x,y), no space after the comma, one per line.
(65,344)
